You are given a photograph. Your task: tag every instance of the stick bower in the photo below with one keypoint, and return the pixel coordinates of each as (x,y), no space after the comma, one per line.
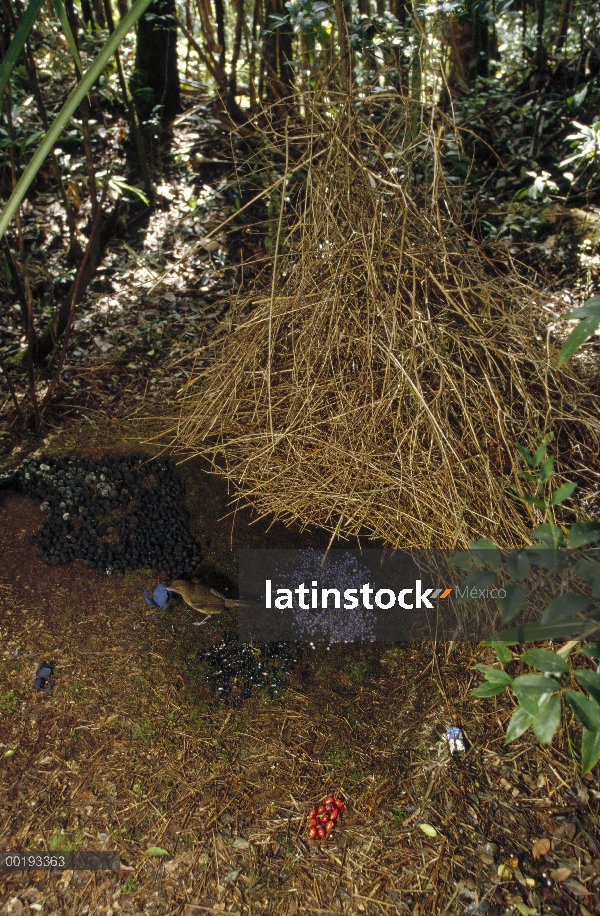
(378,375)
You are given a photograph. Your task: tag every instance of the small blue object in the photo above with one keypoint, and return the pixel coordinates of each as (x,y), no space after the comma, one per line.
(43,677)
(455,739)
(159,599)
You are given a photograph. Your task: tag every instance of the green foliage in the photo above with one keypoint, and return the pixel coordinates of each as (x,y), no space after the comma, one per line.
(60,122)
(567,614)
(144,730)
(590,319)
(8,703)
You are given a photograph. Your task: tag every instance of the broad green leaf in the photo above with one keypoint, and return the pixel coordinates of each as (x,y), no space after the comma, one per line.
(503,653)
(548,719)
(586,710)
(463,560)
(547,469)
(512,603)
(536,632)
(592,650)
(590,749)
(533,501)
(545,556)
(518,565)
(589,307)
(578,335)
(157,851)
(584,533)
(589,571)
(68,110)
(488,689)
(526,454)
(495,675)
(16,45)
(486,551)
(62,15)
(549,534)
(590,681)
(519,723)
(563,492)
(532,690)
(539,455)
(479,580)
(546,660)
(565,606)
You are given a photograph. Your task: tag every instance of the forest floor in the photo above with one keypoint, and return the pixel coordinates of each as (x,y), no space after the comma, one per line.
(130,750)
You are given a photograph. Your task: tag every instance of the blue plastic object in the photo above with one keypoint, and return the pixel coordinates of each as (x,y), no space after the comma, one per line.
(159,599)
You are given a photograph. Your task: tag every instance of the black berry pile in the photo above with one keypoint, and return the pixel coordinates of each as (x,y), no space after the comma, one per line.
(236,669)
(115,514)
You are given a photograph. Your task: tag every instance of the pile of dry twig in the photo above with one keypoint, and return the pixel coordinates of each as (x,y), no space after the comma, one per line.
(379,373)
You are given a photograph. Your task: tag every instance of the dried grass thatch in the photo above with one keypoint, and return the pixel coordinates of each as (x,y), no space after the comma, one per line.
(379,375)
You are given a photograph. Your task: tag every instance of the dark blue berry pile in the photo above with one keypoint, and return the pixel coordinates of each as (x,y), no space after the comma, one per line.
(115,514)
(238,668)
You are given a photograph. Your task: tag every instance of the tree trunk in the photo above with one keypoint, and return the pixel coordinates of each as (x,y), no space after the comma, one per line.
(155,79)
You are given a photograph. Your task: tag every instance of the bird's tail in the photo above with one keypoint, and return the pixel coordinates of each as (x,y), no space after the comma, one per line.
(231,602)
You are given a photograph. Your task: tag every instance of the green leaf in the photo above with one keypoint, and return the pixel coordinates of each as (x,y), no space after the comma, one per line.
(518,565)
(479,580)
(526,475)
(157,851)
(586,710)
(548,719)
(62,15)
(549,534)
(589,571)
(489,689)
(539,455)
(494,675)
(547,469)
(545,556)
(503,654)
(18,40)
(546,660)
(590,749)
(590,681)
(512,603)
(519,723)
(532,690)
(589,307)
(592,650)
(536,632)
(68,110)
(486,551)
(565,606)
(526,454)
(584,533)
(533,501)
(578,335)
(525,910)
(563,492)
(463,560)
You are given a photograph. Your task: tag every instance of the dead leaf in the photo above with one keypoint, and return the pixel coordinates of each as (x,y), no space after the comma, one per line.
(540,848)
(575,888)
(560,874)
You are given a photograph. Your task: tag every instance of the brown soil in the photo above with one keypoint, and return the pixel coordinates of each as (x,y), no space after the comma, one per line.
(130,751)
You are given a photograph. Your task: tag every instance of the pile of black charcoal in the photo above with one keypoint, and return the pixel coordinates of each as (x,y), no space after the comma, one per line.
(236,669)
(115,513)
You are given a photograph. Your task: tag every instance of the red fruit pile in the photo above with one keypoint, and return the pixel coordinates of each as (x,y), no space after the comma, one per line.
(322,820)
